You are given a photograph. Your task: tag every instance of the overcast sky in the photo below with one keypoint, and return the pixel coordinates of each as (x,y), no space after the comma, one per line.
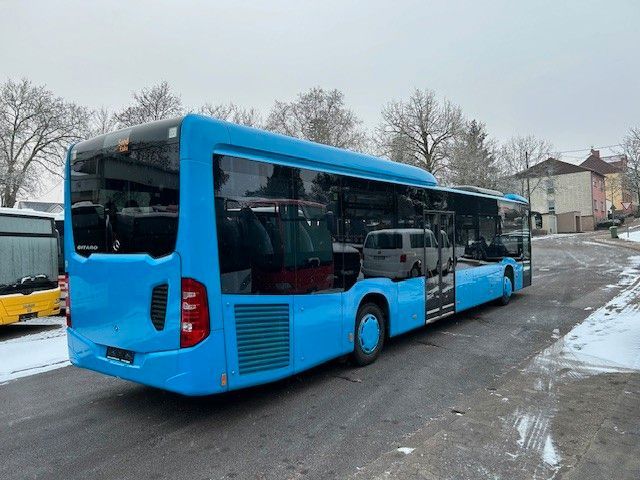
(565,71)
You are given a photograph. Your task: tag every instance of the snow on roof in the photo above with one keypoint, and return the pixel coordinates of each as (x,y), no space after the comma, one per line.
(26,212)
(51,207)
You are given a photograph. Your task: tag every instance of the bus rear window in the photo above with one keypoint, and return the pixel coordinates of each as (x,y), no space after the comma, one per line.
(125,191)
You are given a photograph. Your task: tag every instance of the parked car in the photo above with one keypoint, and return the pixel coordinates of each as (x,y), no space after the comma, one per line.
(400,253)
(617,216)
(608,223)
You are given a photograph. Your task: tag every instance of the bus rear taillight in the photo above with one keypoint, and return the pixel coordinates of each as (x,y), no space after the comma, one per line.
(194,318)
(67,310)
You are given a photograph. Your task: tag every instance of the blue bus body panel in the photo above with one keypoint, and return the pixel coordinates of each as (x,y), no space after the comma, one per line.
(246,370)
(516,197)
(410,313)
(119,287)
(190,371)
(196,227)
(317,329)
(518,270)
(478,285)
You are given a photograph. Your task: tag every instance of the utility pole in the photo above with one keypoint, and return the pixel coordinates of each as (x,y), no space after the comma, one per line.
(526,164)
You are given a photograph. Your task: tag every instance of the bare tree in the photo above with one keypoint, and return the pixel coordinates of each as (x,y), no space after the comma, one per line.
(233,113)
(399,148)
(320,116)
(515,154)
(102,121)
(36,127)
(631,147)
(473,158)
(419,130)
(153,103)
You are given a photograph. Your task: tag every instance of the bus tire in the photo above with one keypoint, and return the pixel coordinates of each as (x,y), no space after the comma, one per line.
(507,290)
(369,334)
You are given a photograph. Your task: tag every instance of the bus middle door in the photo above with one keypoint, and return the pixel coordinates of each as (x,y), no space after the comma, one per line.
(439,264)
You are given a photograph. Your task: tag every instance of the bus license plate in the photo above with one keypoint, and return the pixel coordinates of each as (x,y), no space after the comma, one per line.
(125,356)
(27,316)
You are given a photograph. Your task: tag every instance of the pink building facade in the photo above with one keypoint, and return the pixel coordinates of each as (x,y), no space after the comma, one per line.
(599,196)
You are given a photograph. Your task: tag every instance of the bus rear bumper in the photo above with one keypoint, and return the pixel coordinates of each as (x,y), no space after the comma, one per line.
(189,371)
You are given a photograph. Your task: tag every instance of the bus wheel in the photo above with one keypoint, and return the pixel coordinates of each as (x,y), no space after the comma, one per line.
(369,334)
(507,290)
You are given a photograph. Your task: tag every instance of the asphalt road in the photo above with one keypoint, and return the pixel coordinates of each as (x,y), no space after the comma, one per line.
(326,423)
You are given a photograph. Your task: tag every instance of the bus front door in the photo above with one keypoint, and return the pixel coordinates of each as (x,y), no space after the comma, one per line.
(439,261)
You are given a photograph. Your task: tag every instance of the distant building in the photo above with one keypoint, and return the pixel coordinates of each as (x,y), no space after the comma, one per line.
(48,207)
(621,161)
(613,168)
(570,198)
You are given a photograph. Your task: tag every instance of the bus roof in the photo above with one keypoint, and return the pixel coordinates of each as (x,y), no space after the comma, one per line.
(253,143)
(507,197)
(243,140)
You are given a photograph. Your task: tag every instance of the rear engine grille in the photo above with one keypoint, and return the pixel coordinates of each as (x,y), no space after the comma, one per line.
(159,305)
(262,333)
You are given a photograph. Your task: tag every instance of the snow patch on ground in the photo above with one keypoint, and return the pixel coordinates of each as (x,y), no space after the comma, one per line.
(534,435)
(553,235)
(35,353)
(549,453)
(532,429)
(609,338)
(586,242)
(405,450)
(630,236)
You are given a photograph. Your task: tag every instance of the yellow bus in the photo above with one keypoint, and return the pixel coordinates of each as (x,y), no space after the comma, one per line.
(28,266)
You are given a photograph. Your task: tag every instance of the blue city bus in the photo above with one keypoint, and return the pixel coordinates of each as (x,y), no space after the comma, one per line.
(205,256)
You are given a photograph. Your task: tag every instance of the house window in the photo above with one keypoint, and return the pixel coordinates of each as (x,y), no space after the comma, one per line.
(595,205)
(550,185)
(551,206)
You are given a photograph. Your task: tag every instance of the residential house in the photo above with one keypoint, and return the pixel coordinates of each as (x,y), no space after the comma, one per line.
(614,169)
(570,198)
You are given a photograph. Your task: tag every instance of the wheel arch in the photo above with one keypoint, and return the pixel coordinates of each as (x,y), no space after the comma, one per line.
(510,274)
(381,301)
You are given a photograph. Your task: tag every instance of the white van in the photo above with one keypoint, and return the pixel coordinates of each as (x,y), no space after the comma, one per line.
(400,253)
